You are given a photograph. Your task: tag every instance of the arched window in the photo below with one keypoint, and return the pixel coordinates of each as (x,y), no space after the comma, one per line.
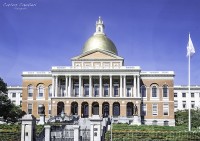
(116,109)
(95,108)
(50,90)
(166,123)
(105,109)
(129,109)
(154,91)
(40,91)
(60,107)
(165,91)
(74,108)
(143,91)
(84,110)
(30,91)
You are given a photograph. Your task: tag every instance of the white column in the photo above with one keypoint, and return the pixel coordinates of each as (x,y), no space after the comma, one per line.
(80,94)
(47,132)
(70,86)
(100,86)
(66,86)
(53,86)
(76,132)
(110,85)
(120,85)
(56,87)
(125,86)
(134,85)
(138,86)
(90,86)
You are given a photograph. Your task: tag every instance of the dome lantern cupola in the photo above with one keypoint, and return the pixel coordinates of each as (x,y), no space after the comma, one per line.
(99,41)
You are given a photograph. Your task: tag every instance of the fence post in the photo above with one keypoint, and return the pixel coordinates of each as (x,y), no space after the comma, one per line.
(28,128)
(76,132)
(47,132)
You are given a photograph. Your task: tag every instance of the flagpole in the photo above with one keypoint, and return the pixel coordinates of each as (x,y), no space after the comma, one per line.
(189,103)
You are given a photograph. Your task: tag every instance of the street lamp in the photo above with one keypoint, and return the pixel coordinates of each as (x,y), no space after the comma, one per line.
(62,115)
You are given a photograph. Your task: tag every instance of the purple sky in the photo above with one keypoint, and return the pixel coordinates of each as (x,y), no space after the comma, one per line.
(152,34)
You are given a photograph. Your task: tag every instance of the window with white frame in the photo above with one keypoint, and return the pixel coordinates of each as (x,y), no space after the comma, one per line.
(155,109)
(30,107)
(154,91)
(175,94)
(40,91)
(50,91)
(192,94)
(76,90)
(49,107)
(192,104)
(144,109)
(128,91)
(30,91)
(165,91)
(183,94)
(13,94)
(165,109)
(143,91)
(175,104)
(184,104)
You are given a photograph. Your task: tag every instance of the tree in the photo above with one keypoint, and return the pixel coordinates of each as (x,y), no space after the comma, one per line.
(3,86)
(9,111)
(181,118)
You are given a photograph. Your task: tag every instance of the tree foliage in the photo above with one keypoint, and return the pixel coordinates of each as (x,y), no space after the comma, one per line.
(3,86)
(181,118)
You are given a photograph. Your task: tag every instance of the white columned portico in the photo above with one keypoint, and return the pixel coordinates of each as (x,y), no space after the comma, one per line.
(110,85)
(90,86)
(56,87)
(53,86)
(134,79)
(100,86)
(66,86)
(70,86)
(120,85)
(80,80)
(125,86)
(138,85)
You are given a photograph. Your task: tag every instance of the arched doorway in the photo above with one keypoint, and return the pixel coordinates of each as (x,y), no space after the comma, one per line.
(105,109)
(84,110)
(60,107)
(116,109)
(129,109)
(74,108)
(95,108)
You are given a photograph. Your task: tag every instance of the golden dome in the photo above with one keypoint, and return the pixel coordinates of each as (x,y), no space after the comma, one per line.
(99,40)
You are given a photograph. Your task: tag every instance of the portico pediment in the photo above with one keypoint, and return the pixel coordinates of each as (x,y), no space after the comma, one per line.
(97,55)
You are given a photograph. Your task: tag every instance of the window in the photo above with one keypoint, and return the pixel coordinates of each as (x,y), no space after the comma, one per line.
(30,91)
(143,91)
(166,123)
(128,92)
(192,104)
(165,91)
(96,90)
(40,91)
(175,104)
(116,91)
(106,90)
(29,108)
(86,90)
(50,91)
(184,104)
(76,89)
(192,94)
(154,122)
(175,94)
(155,109)
(154,91)
(13,94)
(165,109)
(144,109)
(49,106)
(183,94)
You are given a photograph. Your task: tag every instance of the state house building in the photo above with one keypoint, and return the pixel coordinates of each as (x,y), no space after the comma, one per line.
(98,83)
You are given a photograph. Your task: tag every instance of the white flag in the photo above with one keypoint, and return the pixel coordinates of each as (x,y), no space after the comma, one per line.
(190,47)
